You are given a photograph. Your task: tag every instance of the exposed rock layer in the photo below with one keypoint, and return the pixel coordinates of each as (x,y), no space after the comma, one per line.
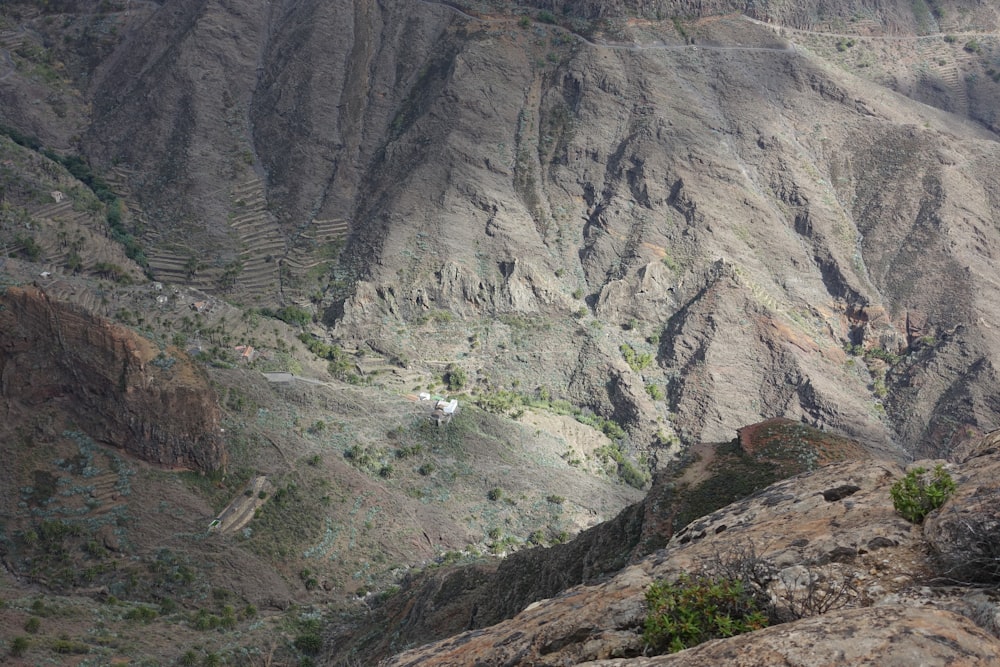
(111,382)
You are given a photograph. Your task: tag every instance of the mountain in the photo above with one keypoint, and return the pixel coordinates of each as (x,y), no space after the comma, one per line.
(618,232)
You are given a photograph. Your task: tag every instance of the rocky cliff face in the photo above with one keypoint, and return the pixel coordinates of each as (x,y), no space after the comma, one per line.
(112,383)
(813,534)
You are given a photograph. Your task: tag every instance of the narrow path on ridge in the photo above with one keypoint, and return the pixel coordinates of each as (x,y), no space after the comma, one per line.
(679,47)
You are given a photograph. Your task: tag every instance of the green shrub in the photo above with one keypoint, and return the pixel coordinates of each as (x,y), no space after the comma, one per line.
(635,360)
(309,643)
(455,377)
(921,492)
(32,625)
(142,614)
(689,611)
(68,646)
(18,646)
(29,247)
(292,315)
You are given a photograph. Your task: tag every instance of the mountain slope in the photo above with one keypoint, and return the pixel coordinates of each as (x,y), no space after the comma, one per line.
(740,200)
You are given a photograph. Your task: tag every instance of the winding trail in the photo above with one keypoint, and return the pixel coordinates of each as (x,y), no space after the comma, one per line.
(10,64)
(775,27)
(933,35)
(5,50)
(616,46)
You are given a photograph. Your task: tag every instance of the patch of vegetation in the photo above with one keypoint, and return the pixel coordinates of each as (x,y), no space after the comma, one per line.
(368,458)
(19,646)
(626,469)
(122,235)
(340,366)
(26,140)
(693,610)
(110,271)
(293,315)
(141,613)
(230,272)
(679,27)
(30,249)
(455,377)
(843,44)
(502,402)
(309,579)
(513,404)
(309,639)
(734,476)
(291,517)
(655,392)
(921,491)
(636,361)
(205,620)
(67,646)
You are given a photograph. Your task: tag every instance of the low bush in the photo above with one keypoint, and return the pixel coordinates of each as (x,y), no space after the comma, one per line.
(692,610)
(636,361)
(455,377)
(19,646)
(921,492)
(309,642)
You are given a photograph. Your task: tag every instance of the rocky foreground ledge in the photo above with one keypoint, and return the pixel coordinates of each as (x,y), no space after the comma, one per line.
(107,380)
(865,586)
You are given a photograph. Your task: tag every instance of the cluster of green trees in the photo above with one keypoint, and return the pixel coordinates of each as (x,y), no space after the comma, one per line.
(81,170)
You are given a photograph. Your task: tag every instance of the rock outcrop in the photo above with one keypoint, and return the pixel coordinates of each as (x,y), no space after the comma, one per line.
(109,381)
(855,578)
(894,635)
(965,533)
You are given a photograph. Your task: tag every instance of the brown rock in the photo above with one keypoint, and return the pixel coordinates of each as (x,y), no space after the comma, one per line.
(886,636)
(916,326)
(965,532)
(112,383)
